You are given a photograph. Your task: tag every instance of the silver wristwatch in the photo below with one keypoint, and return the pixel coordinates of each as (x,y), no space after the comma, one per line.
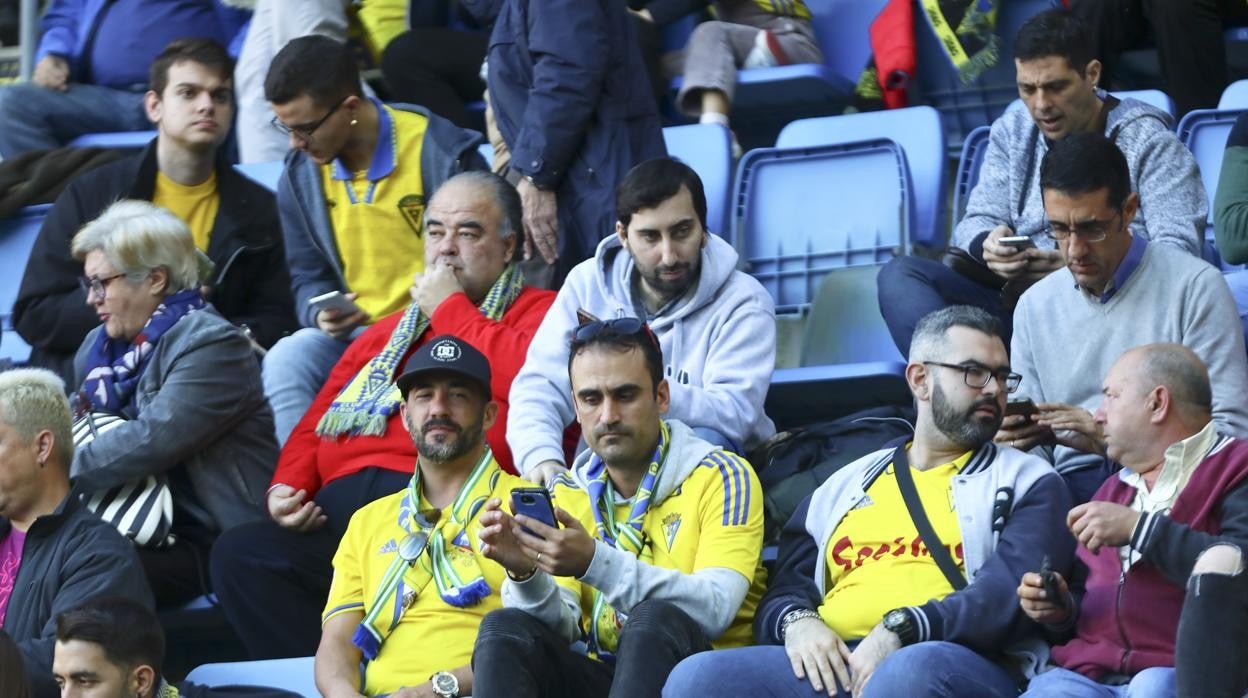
(445,684)
(792,617)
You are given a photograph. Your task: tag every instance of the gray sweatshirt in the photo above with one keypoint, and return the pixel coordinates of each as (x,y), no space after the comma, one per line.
(1173,203)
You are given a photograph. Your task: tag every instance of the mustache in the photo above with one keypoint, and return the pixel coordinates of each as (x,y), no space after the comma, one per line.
(990,403)
(679,266)
(603,430)
(436,422)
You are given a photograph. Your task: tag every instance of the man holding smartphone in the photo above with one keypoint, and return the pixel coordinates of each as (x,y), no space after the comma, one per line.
(658,551)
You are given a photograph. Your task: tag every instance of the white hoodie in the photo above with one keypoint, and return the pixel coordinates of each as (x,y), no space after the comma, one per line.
(719,349)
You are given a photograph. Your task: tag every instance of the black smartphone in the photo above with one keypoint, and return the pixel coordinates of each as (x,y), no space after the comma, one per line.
(1048,578)
(534,502)
(1024,406)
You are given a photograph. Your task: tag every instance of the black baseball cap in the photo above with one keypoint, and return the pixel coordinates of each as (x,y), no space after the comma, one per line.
(449,354)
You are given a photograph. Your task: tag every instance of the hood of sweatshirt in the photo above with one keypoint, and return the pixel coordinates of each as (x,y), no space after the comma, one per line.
(684,452)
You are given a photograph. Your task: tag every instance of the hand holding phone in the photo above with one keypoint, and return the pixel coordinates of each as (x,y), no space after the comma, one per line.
(334,300)
(1018,242)
(534,502)
(1026,407)
(1048,578)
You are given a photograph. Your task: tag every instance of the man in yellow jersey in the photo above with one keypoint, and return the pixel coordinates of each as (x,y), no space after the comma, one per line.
(871,584)
(657,553)
(351,201)
(411,584)
(233,220)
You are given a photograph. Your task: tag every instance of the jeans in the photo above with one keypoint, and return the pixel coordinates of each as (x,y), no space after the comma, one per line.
(911,287)
(518,655)
(39,118)
(294,371)
(744,671)
(1213,630)
(1157,682)
(948,670)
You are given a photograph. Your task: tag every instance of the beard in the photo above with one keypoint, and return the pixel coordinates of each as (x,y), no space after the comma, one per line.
(465,439)
(964,427)
(670,288)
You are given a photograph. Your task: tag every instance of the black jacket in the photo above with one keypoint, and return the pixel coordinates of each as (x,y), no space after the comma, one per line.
(251,284)
(70,557)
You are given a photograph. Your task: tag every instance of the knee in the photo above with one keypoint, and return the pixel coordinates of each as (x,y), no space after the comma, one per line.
(1222,558)
(16,102)
(707,33)
(295,350)
(511,627)
(694,675)
(653,614)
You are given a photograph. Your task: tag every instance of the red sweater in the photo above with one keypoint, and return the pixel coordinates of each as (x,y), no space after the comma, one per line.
(308,461)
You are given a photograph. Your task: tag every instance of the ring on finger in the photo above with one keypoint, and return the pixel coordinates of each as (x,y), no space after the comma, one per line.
(539,558)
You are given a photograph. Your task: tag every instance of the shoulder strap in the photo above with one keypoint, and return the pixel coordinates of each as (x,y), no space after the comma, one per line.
(940,554)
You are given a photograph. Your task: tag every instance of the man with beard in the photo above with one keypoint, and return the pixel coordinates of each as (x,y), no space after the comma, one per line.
(871,583)
(410,583)
(716,326)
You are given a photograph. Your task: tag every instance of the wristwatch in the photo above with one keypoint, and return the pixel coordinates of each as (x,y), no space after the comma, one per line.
(900,623)
(445,684)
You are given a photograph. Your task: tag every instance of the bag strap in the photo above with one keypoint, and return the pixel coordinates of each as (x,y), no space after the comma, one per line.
(940,554)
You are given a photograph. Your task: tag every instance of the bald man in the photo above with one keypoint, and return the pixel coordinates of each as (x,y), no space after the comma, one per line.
(1181,489)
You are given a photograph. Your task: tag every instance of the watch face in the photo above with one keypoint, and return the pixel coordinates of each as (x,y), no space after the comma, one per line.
(894,618)
(445,683)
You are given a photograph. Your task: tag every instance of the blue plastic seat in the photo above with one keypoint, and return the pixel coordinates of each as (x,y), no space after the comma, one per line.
(1156,98)
(974,148)
(918,131)
(707,148)
(122,139)
(1235,96)
(1204,132)
(266,174)
(17,237)
(295,674)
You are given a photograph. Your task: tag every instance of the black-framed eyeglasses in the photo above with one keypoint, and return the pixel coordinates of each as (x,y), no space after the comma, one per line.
(619,326)
(305,132)
(977,376)
(97,285)
(1088,231)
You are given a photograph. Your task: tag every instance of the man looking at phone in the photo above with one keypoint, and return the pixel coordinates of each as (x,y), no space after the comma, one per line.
(1183,487)
(351,201)
(351,446)
(1117,291)
(658,551)
(860,594)
(1057,82)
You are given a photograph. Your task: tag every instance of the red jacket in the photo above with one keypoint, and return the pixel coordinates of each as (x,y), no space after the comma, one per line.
(308,461)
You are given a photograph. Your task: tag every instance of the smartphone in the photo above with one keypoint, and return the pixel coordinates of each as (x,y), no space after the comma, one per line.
(334,300)
(1020,242)
(1048,579)
(534,502)
(1024,406)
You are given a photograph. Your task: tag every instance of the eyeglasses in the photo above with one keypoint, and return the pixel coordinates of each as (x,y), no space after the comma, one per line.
(1088,231)
(305,132)
(977,376)
(96,285)
(619,326)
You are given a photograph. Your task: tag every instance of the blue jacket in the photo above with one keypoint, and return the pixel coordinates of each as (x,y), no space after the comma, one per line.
(984,616)
(311,252)
(573,102)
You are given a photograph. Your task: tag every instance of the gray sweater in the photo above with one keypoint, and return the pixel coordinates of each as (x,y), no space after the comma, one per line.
(1173,204)
(1065,340)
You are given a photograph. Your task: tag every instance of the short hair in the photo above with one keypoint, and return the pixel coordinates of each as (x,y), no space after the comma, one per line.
(139,236)
(1055,32)
(929,335)
(622,343)
(316,66)
(14,682)
(1182,373)
(32,400)
(511,220)
(654,181)
(127,632)
(1082,163)
(205,52)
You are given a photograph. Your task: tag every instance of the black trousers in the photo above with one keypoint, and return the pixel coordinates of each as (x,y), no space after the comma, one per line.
(1213,632)
(437,68)
(272,582)
(518,655)
(179,573)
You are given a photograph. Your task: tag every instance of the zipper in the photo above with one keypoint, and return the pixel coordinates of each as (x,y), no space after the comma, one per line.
(229,262)
(1122,631)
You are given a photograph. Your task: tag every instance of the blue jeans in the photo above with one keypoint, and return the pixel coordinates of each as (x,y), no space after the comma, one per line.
(745,671)
(294,371)
(911,287)
(38,118)
(1157,682)
(947,669)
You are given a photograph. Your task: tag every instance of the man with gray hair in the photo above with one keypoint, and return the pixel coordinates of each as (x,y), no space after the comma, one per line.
(351,447)
(1181,489)
(54,554)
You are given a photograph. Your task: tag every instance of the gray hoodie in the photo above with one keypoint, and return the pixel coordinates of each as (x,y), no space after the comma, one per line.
(1173,203)
(718,342)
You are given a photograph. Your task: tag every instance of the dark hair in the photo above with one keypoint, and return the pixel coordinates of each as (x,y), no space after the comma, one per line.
(14,683)
(655,181)
(622,343)
(316,66)
(205,52)
(928,340)
(1082,163)
(1056,32)
(127,631)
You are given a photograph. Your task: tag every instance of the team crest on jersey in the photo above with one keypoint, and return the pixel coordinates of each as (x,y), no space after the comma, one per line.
(412,207)
(389,547)
(671,525)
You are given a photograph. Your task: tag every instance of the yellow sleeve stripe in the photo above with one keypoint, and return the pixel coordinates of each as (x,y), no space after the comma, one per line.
(734,472)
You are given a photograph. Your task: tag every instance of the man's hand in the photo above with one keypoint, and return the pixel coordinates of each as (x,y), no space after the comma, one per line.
(1102,524)
(435,285)
(643,14)
(1072,426)
(544,472)
(1023,432)
(424,690)
(288,508)
(563,552)
(52,72)
(873,649)
(541,221)
(1007,261)
(339,326)
(817,654)
(1038,607)
(1041,263)
(497,541)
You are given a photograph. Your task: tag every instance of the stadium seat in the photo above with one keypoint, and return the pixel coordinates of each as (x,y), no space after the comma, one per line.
(295,674)
(265,174)
(123,139)
(707,148)
(1205,131)
(974,148)
(17,236)
(1156,98)
(918,131)
(1235,96)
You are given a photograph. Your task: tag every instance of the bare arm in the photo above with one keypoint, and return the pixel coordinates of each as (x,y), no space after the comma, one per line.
(338,659)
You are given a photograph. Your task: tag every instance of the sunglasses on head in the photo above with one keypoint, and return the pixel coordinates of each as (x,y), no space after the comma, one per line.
(619,326)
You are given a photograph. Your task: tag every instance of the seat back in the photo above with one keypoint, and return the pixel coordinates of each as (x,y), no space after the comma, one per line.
(845,325)
(295,674)
(974,148)
(841,27)
(120,139)
(266,174)
(919,133)
(707,148)
(17,237)
(1204,132)
(1156,98)
(1235,96)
